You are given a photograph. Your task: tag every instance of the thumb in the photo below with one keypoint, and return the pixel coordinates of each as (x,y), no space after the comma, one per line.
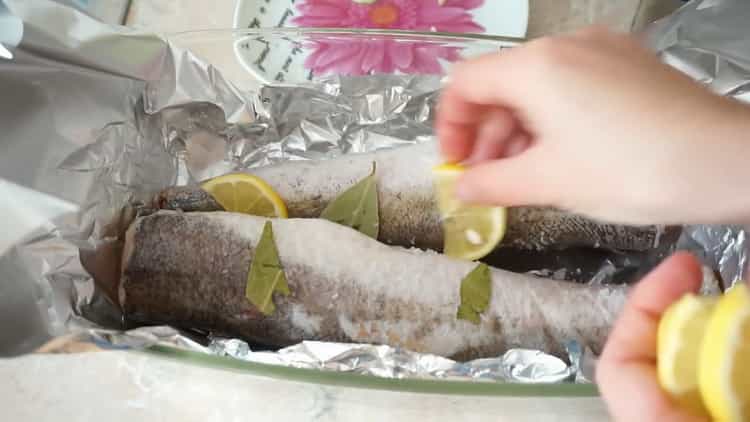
(627,367)
(510,181)
(634,335)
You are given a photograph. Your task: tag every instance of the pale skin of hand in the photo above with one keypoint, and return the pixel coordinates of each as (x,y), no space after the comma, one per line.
(626,372)
(594,123)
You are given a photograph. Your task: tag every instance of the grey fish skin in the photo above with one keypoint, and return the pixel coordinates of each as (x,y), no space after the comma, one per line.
(408,212)
(190,270)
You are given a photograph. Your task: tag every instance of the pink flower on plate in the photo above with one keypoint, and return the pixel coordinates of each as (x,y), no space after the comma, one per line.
(384,55)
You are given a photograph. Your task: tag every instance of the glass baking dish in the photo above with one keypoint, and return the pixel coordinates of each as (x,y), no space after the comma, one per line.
(252,58)
(249,58)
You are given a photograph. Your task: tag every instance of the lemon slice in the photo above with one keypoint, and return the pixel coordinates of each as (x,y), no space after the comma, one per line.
(247,194)
(679,339)
(470,232)
(724,369)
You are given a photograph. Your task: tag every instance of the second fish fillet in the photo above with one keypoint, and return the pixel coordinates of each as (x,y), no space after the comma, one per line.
(408,211)
(190,270)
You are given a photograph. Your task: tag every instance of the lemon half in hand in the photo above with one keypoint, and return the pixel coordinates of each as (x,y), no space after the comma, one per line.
(679,340)
(724,370)
(246,194)
(470,231)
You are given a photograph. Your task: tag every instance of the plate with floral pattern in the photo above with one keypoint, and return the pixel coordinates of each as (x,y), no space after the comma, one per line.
(350,56)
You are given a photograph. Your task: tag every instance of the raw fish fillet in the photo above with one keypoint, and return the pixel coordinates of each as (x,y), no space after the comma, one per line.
(408,212)
(190,270)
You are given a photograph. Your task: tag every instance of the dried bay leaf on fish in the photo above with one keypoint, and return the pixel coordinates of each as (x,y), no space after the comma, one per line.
(357,207)
(266,275)
(476,289)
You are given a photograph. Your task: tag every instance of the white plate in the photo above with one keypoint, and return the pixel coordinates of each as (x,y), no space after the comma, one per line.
(498,17)
(509,18)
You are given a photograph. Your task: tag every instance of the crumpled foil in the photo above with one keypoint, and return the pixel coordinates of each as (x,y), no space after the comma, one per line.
(709,40)
(102,118)
(516,365)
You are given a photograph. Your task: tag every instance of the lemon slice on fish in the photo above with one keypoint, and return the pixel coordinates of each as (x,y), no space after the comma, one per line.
(246,194)
(470,231)
(724,370)
(679,339)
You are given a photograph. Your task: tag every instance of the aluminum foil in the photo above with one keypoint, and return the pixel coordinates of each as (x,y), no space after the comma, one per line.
(709,40)
(516,365)
(103,117)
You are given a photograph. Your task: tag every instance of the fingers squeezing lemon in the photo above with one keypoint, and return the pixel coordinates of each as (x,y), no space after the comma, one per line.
(470,231)
(704,354)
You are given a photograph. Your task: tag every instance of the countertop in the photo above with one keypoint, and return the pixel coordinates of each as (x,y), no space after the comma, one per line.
(132,386)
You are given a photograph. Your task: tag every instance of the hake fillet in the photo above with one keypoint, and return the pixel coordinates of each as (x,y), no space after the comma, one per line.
(409,216)
(190,270)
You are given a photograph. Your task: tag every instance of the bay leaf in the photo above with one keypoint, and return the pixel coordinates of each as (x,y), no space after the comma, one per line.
(357,207)
(266,275)
(476,289)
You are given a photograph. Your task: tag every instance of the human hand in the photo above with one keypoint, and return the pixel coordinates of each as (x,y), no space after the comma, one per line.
(593,123)
(626,372)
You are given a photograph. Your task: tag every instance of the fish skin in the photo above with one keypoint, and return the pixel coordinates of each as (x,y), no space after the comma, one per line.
(190,270)
(188,199)
(408,211)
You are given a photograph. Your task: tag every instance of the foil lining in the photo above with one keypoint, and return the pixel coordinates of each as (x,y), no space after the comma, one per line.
(516,365)
(709,40)
(120,125)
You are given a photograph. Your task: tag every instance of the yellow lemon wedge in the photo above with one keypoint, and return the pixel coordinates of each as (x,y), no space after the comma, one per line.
(724,369)
(247,194)
(679,339)
(470,231)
